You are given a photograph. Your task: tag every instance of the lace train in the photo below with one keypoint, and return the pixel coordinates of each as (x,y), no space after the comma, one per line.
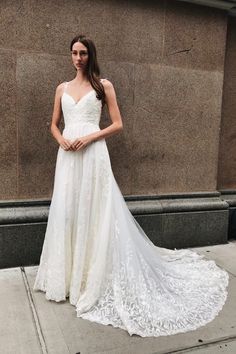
(153,291)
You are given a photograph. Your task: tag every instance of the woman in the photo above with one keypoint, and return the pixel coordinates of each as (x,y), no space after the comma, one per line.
(94,251)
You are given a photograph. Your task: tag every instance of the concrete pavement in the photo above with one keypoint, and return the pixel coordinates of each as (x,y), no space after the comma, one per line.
(30,324)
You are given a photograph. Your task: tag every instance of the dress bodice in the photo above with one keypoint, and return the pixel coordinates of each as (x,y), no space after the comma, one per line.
(87,109)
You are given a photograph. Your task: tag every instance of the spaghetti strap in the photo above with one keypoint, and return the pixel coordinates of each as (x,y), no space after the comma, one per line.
(65,86)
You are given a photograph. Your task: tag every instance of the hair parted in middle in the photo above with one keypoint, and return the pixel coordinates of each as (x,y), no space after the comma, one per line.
(92,69)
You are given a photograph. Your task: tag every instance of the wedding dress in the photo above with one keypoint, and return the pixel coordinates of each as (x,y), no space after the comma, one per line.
(96,254)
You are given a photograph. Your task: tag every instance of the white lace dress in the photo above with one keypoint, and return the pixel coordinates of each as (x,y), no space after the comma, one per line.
(97,255)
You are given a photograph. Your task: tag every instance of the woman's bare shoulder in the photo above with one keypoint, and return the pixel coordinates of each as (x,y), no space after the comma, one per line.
(60,86)
(107,84)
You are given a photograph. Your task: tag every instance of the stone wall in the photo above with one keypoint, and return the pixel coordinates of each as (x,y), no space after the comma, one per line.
(166,61)
(227,153)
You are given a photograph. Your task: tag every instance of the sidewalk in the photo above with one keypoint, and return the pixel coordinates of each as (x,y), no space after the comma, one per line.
(30,324)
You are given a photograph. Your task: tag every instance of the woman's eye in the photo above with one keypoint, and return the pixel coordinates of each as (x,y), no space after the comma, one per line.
(81,53)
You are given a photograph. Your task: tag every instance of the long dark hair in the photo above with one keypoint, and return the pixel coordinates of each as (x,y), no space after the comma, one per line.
(92,68)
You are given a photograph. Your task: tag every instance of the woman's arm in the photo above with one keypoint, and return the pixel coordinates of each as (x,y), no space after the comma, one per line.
(56,117)
(115,116)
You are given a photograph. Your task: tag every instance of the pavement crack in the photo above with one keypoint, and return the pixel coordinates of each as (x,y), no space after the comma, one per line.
(200,346)
(34,313)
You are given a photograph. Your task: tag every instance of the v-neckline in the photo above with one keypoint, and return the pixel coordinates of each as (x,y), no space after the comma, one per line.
(76,102)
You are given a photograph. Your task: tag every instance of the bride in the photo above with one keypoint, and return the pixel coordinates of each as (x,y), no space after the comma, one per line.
(94,252)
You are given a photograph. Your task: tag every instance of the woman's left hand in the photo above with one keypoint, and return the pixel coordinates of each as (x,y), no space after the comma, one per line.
(81,143)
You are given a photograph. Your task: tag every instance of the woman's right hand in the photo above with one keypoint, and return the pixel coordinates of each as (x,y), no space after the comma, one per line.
(65,144)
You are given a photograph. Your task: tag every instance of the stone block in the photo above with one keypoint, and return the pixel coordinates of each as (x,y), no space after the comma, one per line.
(21,244)
(194,36)
(227,148)
(177,114)
(8,122)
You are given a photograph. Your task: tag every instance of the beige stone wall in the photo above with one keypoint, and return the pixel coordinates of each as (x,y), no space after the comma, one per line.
(166,61)
(227,153)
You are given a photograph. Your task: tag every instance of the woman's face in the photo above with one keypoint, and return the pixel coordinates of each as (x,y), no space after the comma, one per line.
(79,55)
